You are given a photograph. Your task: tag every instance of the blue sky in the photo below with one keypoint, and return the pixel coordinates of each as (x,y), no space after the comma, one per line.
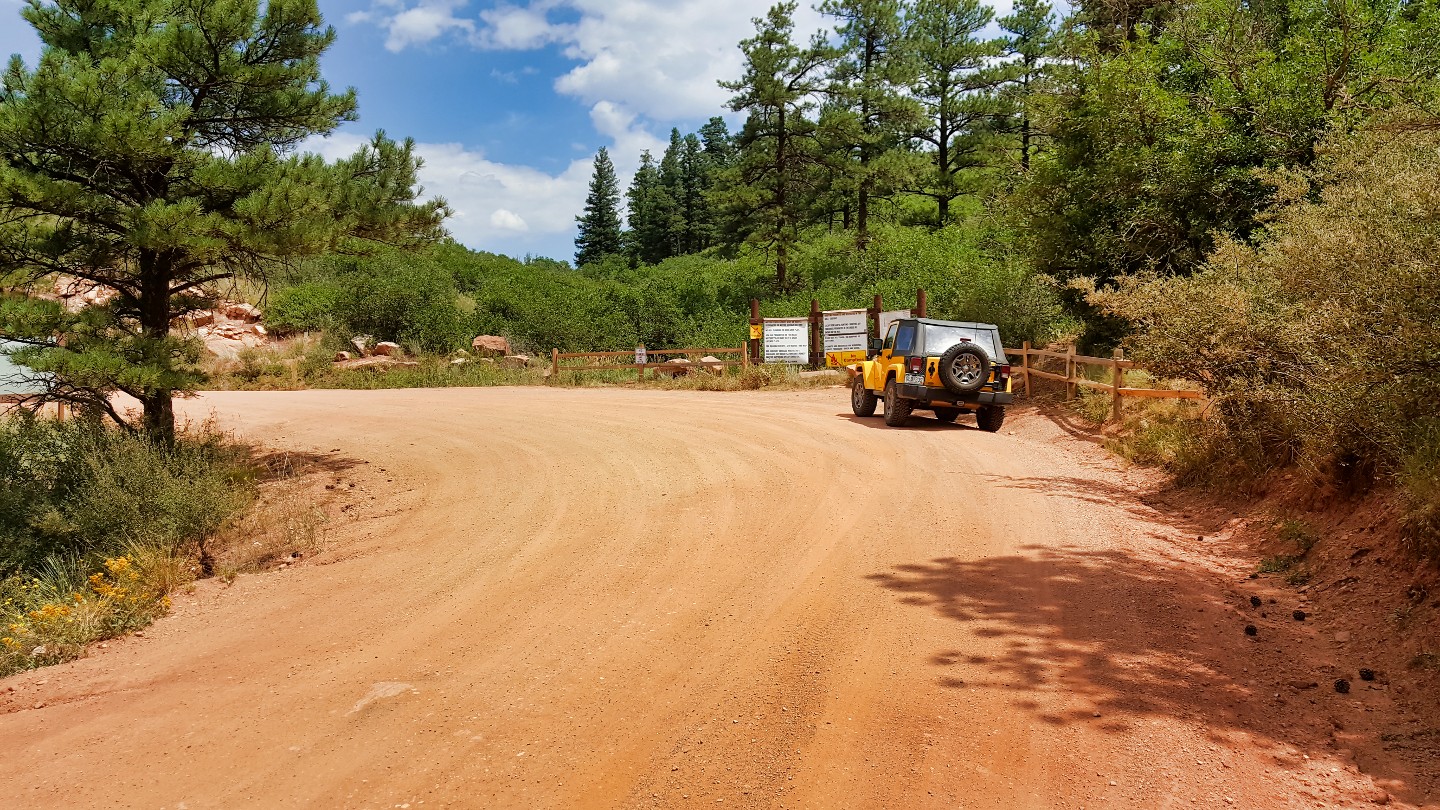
(509,101)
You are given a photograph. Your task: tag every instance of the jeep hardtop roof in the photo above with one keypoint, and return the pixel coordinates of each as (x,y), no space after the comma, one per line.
(963,324)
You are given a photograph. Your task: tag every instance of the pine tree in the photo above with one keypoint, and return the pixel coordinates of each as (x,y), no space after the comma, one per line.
(765,195)
(874,112)
(152,153)
(1031,29)
(672,183)
(694,204)
(719,146)
(645,241)
(600,224)
(954,79)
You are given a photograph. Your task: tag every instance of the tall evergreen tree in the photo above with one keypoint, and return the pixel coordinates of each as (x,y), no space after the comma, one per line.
(719,145)
(1030,30)
(599,234)
(954,75)
(871,81)
(694,204)
(647,239)
(152,153)
(672,183)
(765,196)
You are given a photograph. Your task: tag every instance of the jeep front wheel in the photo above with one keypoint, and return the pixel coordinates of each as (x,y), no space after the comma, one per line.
(897,408)
(862,399)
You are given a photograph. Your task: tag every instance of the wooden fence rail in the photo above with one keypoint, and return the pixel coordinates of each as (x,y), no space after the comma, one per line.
(556,356)
(1073,381)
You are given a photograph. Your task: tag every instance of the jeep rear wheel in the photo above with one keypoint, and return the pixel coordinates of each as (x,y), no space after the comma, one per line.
(990,417)
(897,408)
(947,414)
(862,399)
(964,368)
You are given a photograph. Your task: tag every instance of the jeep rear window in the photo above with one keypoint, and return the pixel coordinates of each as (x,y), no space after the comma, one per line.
(940,338)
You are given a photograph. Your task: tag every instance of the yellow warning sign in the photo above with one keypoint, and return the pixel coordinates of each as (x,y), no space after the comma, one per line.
(756,331)
(847,358)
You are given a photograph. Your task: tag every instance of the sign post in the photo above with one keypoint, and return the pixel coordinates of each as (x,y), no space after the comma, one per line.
(641,358)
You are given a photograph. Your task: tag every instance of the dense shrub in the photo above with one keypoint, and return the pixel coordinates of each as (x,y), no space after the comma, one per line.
(80,489)
(1321,345)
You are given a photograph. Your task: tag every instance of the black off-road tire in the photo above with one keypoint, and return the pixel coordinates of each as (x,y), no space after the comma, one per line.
(862,399)
(964,368)
(990,417)
(897,408)
(947,414)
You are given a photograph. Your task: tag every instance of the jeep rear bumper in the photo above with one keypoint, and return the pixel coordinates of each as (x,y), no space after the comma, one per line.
(925,396)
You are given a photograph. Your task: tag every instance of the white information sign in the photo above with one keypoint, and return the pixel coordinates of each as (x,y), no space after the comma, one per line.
(787,340)
(844,330)
(887,318)
(640,356)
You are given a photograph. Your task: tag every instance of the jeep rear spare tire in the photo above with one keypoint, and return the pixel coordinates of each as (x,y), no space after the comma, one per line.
(964,368)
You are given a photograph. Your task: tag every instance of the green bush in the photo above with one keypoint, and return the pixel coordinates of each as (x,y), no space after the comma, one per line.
(81,490)
(1319,345)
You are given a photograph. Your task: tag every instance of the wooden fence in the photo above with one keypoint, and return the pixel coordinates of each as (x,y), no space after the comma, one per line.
(1073,381)
(556,356)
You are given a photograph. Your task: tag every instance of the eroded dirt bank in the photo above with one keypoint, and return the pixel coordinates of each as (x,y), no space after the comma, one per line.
(609,598)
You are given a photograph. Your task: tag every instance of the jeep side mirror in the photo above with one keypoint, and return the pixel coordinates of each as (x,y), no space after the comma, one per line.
(875,344)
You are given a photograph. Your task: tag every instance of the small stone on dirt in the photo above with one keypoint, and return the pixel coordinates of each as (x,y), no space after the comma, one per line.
(1342,686)
(1342,637)
(1299,615)
(387,349)
(1367,674)
(1251,630)
(1255,601)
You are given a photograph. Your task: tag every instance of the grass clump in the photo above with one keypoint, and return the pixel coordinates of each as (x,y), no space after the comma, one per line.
(98,526)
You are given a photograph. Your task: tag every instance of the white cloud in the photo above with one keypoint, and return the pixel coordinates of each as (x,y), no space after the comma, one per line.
(660,59)
(423,23)
(507,220)
(518,28)
(499,207)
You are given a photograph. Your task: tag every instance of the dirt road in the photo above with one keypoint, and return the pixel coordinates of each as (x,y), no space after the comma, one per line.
(609,598)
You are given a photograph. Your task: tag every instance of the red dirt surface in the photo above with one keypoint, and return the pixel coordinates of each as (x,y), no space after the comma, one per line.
(541,598)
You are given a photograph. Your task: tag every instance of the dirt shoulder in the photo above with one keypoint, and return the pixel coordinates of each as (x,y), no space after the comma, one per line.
(558,598)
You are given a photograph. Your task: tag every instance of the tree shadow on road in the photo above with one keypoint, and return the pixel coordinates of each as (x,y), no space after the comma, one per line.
(1128,634)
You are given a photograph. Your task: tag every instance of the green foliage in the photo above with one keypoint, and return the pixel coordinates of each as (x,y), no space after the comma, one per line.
(151,153)
(599,231)
(80,490)
(1158,138)
(1320,346)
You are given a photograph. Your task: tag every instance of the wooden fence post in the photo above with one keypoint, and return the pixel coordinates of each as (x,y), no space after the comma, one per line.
(555,365)
(1117,382)
(1025,366)
(744,358)
(817,335)
(872,329)
(920,308)
(1070,385)
(641,370)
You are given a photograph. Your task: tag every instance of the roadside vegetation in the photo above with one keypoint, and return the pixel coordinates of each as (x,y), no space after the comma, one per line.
(98,527)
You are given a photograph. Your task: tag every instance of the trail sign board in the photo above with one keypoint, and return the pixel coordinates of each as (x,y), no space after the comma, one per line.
(787,340)
(846,336)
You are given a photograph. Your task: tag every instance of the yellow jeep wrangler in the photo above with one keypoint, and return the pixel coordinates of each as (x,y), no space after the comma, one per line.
(948,367)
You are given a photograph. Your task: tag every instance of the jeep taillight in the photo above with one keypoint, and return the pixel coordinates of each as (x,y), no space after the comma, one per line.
(915,365)
(1004,371)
